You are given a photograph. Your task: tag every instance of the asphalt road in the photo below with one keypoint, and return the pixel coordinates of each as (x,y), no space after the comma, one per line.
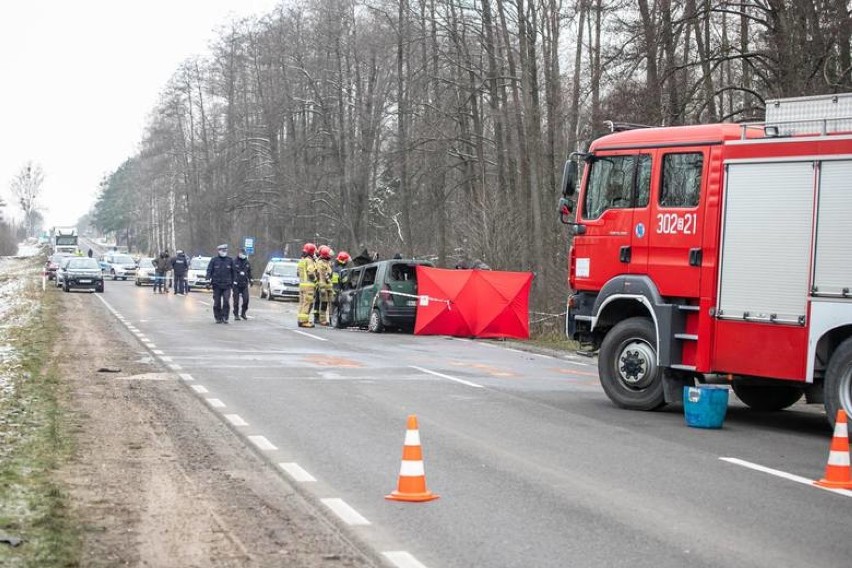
(533,465)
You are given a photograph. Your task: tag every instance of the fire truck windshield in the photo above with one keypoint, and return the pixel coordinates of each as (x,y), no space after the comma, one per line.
(611,181)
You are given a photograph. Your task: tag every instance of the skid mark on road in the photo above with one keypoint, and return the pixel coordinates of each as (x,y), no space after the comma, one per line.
(487,369)
(332,361)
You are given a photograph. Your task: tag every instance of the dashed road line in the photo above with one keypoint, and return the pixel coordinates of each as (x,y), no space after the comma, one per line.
(346,513)
(186,377)
(403,559)
(165,358)
(199,389)
(175,367)
(236,420)
(297,472)
(215,402)
(157,352)
(262,443)
(784,475)
(448,377)
(306,334)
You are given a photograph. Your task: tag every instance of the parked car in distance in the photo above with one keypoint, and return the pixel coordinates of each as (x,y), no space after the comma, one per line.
(82,273)
(63,262)
(52,264)
(145,271)
(280,279)
(196,276)
(118,265)
(378,296)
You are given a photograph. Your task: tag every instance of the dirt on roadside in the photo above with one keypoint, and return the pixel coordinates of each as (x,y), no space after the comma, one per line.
(156,479)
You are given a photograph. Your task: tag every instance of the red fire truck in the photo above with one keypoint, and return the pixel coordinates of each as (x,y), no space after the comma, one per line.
(718,253)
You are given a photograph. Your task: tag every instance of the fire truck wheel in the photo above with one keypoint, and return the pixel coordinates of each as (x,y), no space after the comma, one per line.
(627,365)
(767,398)
(838,382)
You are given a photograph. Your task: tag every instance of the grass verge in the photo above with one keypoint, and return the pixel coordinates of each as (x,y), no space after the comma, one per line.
(34,443)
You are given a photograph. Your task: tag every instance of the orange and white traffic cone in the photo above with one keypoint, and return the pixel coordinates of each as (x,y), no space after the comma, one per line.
(837,473)
(412,475)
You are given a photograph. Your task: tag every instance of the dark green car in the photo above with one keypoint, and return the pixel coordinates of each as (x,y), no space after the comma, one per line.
(82,272)
(378,296)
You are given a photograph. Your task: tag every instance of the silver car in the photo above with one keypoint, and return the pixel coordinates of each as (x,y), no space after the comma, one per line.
(280,279)
(118,265)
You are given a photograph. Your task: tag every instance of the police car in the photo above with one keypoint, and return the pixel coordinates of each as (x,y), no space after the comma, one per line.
(196,276)
(280,279)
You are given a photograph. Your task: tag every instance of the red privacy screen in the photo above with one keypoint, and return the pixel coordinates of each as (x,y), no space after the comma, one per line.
(473,303)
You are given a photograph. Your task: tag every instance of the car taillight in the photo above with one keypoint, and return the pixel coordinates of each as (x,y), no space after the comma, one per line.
(385,294)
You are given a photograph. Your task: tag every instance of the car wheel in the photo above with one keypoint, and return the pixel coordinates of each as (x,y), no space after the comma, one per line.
(375,325)
(627,365)
(114,277)
(100,289)
(138,283)
(269,295)
(66,288)
(336,321)
(125,278)
(765,397)
(262,293)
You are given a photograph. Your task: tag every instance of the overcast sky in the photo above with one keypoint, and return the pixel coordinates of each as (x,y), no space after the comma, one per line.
(79,77)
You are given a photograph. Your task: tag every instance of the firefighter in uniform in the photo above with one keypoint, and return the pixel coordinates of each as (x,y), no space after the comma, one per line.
(340,264)
(307,270)
(324,271)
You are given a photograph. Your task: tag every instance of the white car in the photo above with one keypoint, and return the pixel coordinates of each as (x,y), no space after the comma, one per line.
(118,265)
(196,276)
(145,271)
(280,279)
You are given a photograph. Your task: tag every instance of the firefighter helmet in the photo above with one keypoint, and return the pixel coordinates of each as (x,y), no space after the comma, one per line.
(309,248)
(343,257)
(325,252)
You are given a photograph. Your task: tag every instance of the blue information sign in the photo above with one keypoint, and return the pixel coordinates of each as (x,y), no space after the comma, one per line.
(248,244)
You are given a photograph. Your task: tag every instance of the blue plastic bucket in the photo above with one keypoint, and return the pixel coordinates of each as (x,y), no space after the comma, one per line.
(705,406)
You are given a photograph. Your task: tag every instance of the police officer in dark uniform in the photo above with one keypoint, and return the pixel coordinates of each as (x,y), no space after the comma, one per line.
(242,272)
(222,278)
(180,266)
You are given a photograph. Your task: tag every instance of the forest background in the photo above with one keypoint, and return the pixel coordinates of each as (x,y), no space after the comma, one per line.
(438,128)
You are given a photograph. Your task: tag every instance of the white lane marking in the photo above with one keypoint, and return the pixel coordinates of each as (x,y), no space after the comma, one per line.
(236,420)
(296,472)
(186,377)
(448,377)
(199,389)
(174,367)
(403,559)
(165,359)
(513,350)
(784,475)
(215,403)
(157,352)
(262,443)
(204,303)
(346,513)
(312,336)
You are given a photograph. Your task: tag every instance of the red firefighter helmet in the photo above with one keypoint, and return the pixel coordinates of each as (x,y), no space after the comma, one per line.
(309,248)
(325,252)
(343,257)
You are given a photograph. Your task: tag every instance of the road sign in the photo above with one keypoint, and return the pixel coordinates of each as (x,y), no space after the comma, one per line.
(248,244)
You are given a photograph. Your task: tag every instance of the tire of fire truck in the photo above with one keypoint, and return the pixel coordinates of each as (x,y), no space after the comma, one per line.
(767,398)
(838,382)
(627,365)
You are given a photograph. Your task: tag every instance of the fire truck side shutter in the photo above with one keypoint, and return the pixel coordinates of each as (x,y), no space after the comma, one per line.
(832,260)
(766,241)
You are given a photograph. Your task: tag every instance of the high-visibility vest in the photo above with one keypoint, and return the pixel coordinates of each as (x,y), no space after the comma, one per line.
(307,270)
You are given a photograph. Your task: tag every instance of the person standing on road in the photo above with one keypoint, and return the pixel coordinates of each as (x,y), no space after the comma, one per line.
(220,274)
(324,274)
(242,270)
(341,263)
(307,270)
(180,266)
(161,267)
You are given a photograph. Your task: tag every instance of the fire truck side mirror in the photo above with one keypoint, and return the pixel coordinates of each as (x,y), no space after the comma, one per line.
(569,178)
(566,210)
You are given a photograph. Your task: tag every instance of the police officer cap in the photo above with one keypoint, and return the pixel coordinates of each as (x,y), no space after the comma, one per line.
(222,247)
(179,252)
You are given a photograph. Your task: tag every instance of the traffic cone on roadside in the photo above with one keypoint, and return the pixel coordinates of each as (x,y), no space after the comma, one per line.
(412,475)
(837,473)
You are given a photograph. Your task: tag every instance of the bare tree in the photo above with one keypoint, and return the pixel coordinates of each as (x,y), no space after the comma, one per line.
(26,188)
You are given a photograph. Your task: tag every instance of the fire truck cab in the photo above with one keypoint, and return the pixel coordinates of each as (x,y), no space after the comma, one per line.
(718,252)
